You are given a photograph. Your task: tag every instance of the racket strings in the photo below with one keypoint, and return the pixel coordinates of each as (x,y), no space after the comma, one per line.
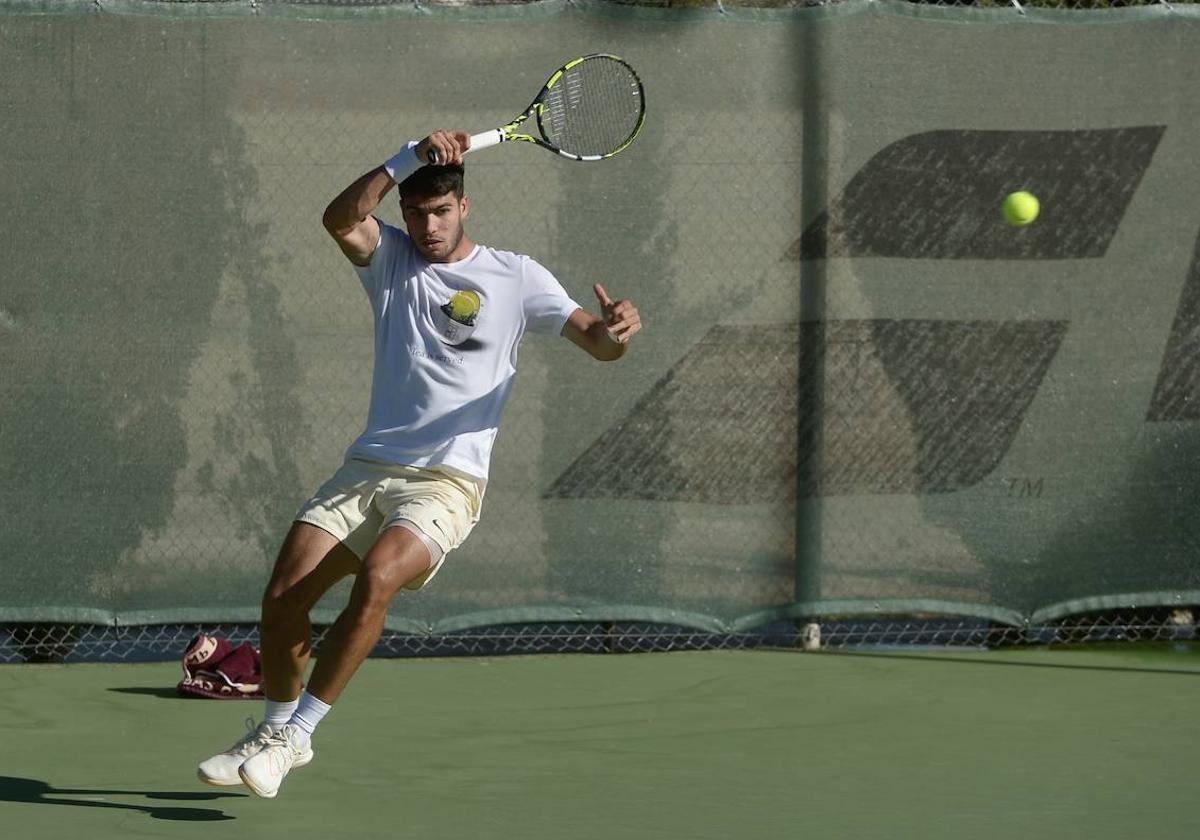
(595,109)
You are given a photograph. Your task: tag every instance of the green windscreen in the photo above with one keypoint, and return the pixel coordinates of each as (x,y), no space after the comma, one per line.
(856,390)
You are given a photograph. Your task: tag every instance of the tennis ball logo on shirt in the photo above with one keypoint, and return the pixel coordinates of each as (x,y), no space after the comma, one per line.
(455,319)
(463,308)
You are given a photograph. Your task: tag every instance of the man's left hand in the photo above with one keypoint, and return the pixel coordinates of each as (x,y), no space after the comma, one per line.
(621,317)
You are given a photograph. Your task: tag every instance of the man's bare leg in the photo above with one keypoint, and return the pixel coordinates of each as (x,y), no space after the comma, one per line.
(310,562)
(397,557)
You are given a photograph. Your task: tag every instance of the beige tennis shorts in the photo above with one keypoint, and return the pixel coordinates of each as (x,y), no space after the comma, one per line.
(364,497)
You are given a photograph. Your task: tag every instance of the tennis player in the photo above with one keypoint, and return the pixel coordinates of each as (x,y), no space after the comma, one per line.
(449,315)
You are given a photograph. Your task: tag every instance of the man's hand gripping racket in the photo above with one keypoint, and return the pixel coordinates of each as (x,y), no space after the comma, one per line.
(589,109)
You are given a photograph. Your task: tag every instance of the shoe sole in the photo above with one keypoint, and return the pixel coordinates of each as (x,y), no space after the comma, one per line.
(253,789)
(208,780)
(299,762)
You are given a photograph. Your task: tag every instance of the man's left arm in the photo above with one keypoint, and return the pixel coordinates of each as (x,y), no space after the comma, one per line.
(605,338)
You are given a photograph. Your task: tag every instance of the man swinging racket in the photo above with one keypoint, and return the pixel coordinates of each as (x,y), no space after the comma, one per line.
(449,314)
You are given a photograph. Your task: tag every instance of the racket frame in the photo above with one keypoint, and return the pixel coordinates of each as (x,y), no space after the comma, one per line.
(507,133)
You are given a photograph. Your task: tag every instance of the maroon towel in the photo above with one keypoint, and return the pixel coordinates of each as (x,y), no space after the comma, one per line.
(214,668)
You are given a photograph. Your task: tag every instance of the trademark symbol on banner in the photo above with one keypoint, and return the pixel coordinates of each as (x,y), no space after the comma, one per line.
(1025,487)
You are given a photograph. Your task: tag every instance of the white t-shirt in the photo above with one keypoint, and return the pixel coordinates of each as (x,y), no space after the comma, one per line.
(446,337)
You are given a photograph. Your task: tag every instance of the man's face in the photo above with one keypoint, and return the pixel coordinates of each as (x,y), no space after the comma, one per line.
(435,224)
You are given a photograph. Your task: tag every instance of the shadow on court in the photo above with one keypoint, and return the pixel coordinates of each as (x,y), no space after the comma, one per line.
(165,692)
(13,789)
(1016,663)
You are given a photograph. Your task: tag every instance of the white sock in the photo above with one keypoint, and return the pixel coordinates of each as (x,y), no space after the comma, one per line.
(280,712)
(308,714)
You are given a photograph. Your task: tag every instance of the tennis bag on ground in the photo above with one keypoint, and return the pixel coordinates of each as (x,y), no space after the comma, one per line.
(215,669)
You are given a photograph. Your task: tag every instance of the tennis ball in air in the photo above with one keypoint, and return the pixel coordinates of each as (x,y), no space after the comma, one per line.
(1020,208)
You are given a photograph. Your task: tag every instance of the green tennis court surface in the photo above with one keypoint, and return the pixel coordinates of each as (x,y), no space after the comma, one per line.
(1091,743)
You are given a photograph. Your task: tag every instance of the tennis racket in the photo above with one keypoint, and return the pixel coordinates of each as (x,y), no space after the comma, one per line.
(589,109)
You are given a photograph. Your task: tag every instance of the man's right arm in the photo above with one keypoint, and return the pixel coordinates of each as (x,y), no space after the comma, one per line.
(348,217)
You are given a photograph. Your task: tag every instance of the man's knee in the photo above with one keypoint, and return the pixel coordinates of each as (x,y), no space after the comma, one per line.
(281,605)
(396,559)
(379,582)
(309,563)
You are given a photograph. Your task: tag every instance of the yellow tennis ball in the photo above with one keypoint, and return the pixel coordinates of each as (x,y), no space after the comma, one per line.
(1021,208)
(463,306)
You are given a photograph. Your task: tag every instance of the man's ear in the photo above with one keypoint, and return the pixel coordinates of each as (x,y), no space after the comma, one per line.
(465,205)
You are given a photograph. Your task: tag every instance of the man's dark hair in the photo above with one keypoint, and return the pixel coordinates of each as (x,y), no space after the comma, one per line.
(429,181)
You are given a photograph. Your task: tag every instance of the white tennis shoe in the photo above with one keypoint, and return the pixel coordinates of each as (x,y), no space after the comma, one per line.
(285,749)
(222,769)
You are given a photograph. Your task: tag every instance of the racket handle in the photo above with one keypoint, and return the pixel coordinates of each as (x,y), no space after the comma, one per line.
(478,141)
(488,138)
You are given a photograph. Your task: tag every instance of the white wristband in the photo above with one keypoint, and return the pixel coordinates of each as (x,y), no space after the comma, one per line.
(404,163)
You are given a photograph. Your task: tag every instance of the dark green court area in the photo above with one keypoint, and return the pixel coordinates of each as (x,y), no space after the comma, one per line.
(1028,743)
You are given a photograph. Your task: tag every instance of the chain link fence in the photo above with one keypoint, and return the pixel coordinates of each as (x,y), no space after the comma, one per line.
(52,643)
(981,4)
(190,360)
(681,4)
(318,7)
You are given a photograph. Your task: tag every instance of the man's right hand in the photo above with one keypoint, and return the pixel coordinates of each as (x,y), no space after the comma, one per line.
(450,146)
